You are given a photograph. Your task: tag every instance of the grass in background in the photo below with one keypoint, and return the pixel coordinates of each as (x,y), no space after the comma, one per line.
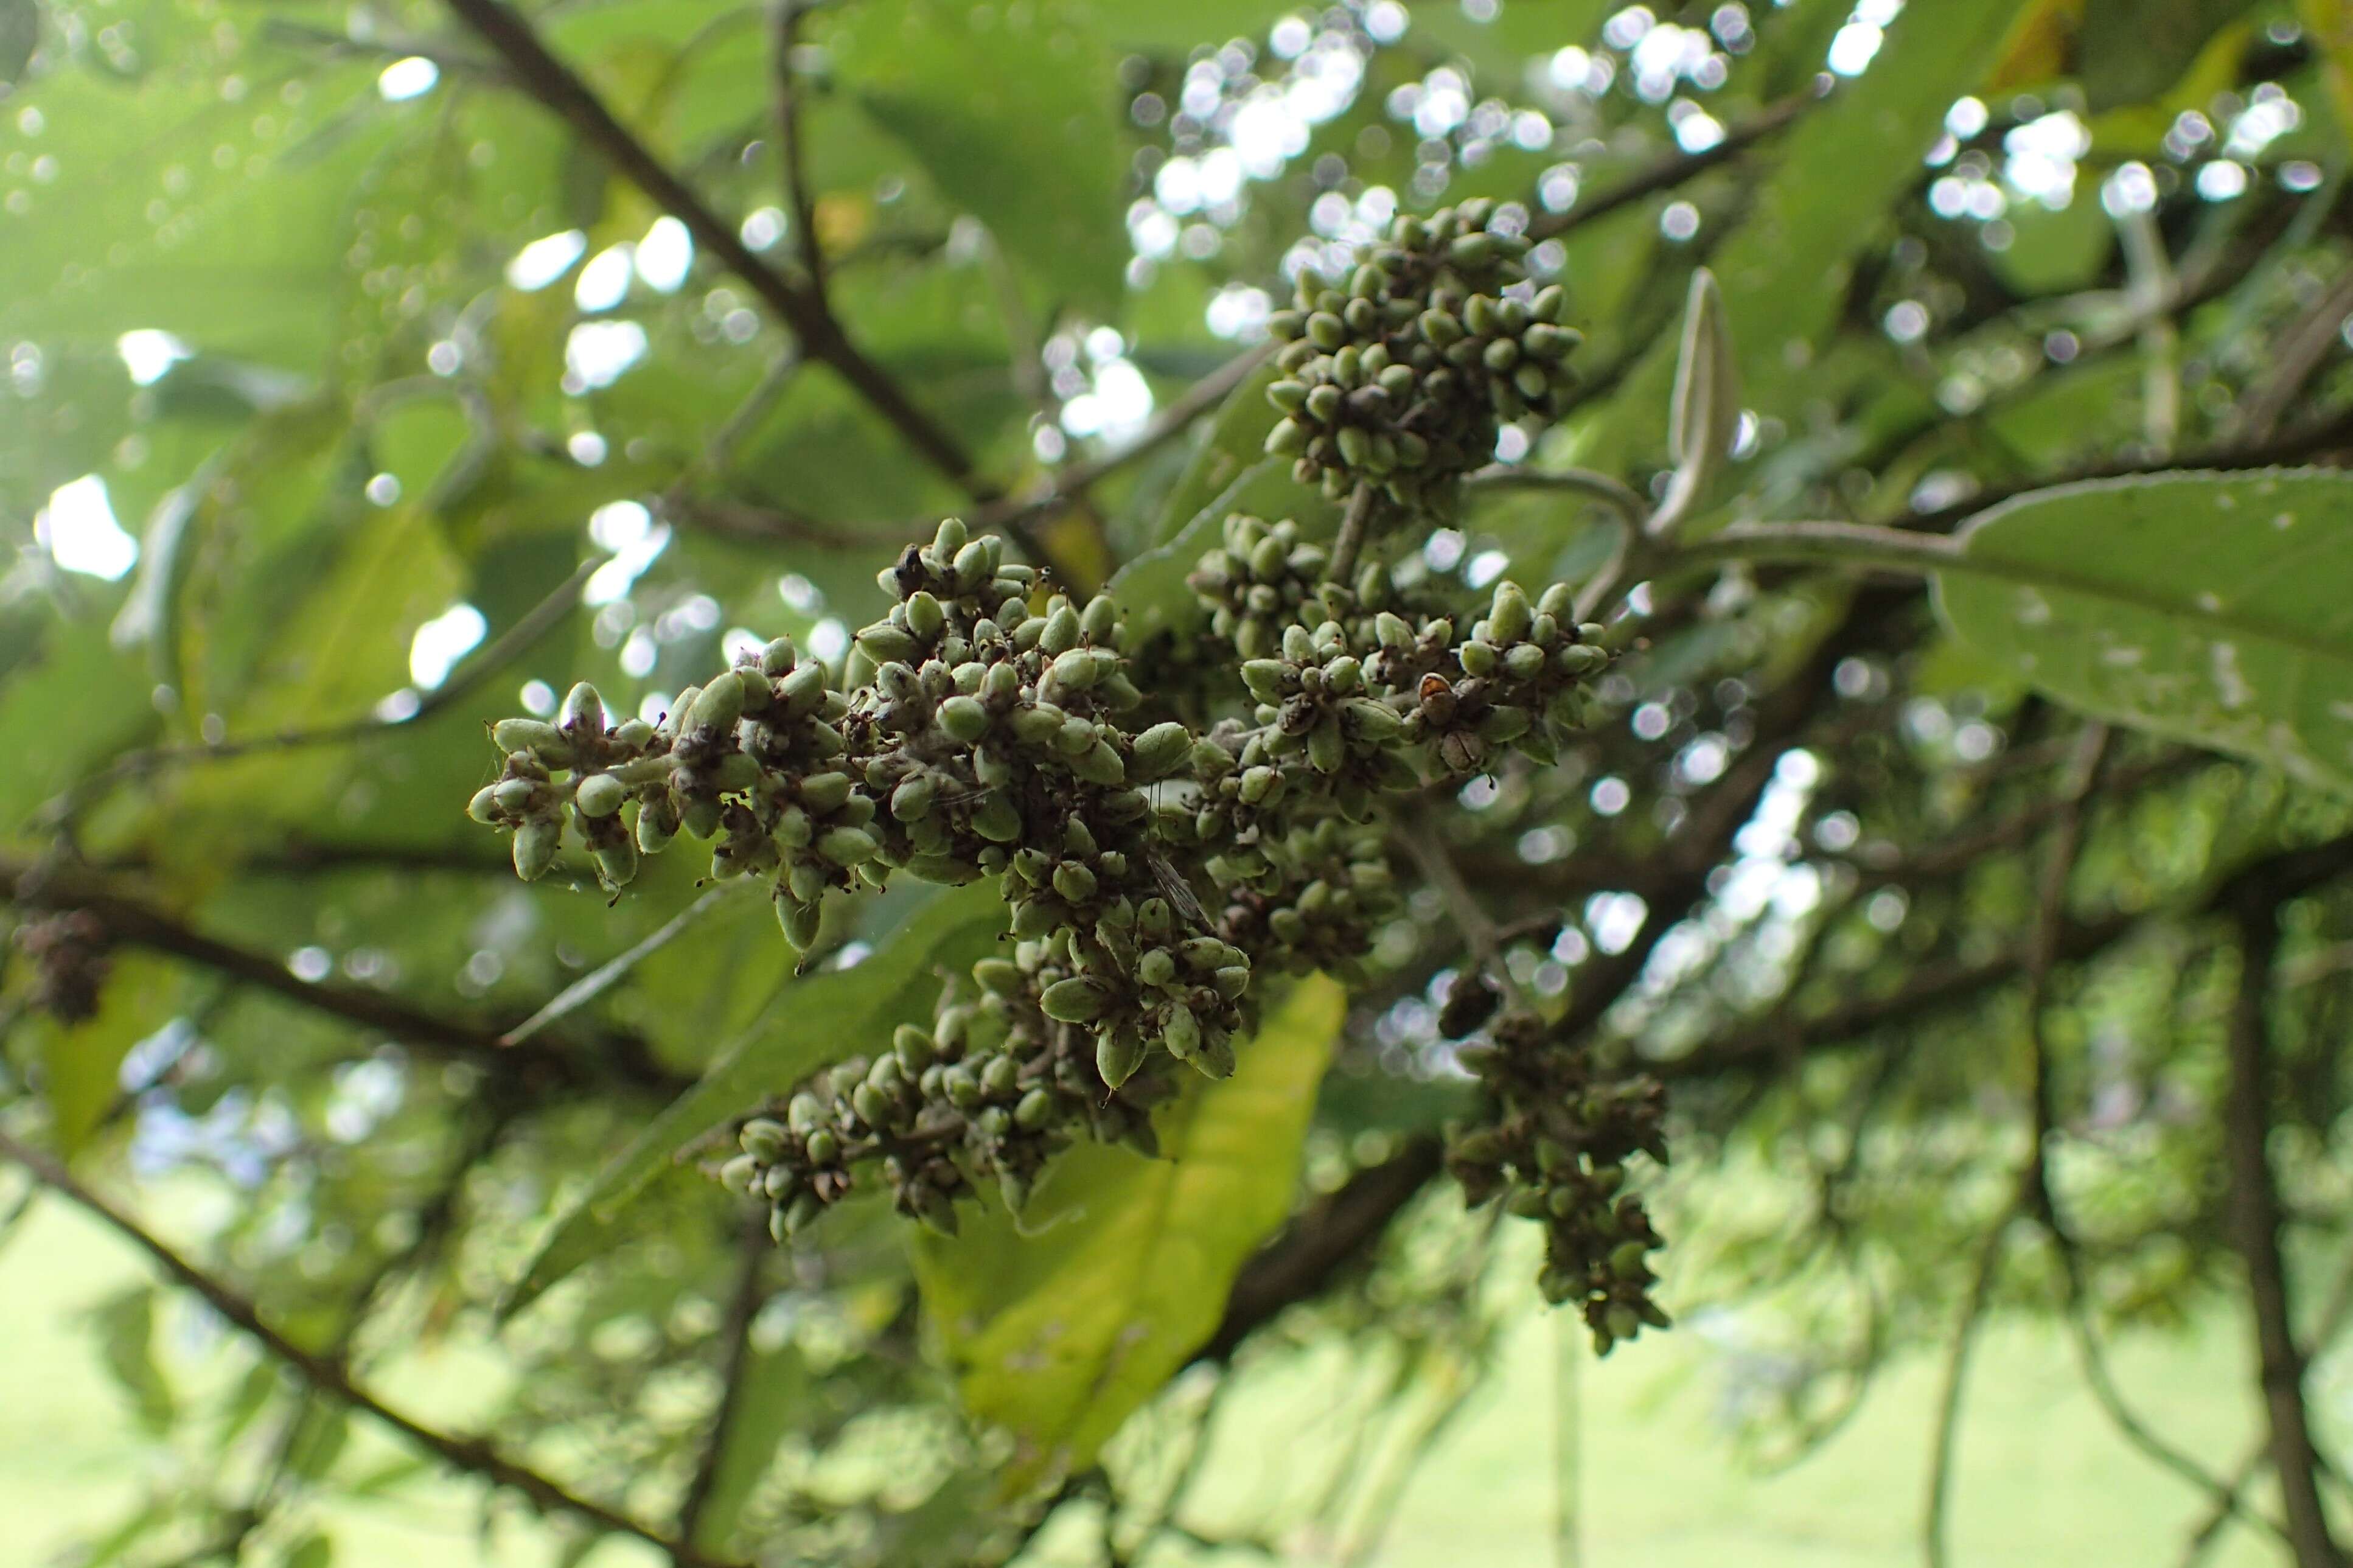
(2042,1480)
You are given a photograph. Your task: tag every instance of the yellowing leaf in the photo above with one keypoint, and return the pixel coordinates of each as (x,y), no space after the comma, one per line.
(80,1063)
(1059,1328)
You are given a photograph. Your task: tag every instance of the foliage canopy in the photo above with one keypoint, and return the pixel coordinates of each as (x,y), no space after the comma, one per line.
(1950,814)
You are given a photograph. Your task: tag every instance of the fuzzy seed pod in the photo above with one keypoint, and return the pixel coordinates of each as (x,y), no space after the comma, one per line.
(535,843)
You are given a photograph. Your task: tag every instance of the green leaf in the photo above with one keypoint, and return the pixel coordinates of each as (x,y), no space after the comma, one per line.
(81,1065)
(126,1342)
(1008,108)
(20,35)
(64,715)
(1783,271)
(776,1387)
(1235,443)
(2208,607)
(312,1551)
(816,1021)
(1151,591)
(1059,1327)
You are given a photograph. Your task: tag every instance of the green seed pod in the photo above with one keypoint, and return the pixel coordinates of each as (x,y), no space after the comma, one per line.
(998,820)
(1100,618)
(700,816)
(657,825)
(1376,722)
(1039,724)
(846,846)
(1100,765)
(801,922)
(1210,761)
(1550,304)
(1478,658)
(1076,737)
(1076,668)
(777,659)
(1473,250)
(997,976)
(805,881)
(1501,356)
(885,640)
(973,565)
(1266,678)
(1324,404)
(1156,967)
(1159,749)
(1509,617)
(617,861)
(1061,632)
(1036,1111)
(1440,328)
(804,691)
(1525,661)
(484,807)
(1118,1054)
(534,735)
(719,705)
(1327,747)
(1074,882)
(964,719)
(1257,784)
(735,772)
(1327,330)
(599,795)
(926,618)
(1071,1001)
(535,843)
(1531,382)
(738,1174)
(1288,438)
(1355,447)
(913,1049)
(582,713)
(912,801)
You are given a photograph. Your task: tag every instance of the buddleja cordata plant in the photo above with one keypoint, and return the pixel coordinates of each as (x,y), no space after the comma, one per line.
(1157,873)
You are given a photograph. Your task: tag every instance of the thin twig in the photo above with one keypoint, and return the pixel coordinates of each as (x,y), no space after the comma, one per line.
(606,975)
(331,1377)
(754,1250)
(1352,524)
(132,921)
(784,24)
(468,675)
(1676,169)
(2256,1222)
(801,308)
(2339,1306)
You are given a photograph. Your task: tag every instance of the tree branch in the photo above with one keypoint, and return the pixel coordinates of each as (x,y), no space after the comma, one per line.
(331,1377)
(754,1250)
(2256,1222)
(800,308)
(1674,169)
(477,668)
(785,29)
(127,920)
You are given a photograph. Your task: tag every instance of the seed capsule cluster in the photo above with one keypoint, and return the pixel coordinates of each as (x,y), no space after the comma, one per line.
(1401,374)
(1158,854)
(69,953)
(1555,1152)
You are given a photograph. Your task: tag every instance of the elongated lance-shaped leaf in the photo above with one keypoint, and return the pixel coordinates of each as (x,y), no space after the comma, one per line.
(1060,1325)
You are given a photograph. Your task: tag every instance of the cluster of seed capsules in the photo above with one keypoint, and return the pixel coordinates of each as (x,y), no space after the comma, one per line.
(1401,375)
(71,956)
(1555,1148)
